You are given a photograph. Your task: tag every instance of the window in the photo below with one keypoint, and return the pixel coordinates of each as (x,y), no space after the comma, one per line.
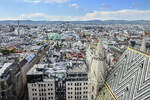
(92,97)
(80,97)
(92,88)
(34,98)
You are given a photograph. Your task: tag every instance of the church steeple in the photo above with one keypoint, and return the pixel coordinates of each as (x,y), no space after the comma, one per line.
(143,45)
(18,30)
(97,71)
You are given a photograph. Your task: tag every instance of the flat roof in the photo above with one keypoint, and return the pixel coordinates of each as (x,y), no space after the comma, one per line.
(58,68)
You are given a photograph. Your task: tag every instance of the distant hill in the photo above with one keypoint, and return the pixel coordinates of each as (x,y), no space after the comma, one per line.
(78,22)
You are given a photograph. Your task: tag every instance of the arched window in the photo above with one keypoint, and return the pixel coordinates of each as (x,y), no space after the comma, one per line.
(92,88)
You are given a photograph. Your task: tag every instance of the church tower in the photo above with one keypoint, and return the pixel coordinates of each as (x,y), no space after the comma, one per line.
(143,45)
(96,74)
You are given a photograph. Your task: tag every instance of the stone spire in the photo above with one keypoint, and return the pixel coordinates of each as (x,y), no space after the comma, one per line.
(143,45)
(97,72)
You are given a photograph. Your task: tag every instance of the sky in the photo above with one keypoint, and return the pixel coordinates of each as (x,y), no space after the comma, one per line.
(74,10)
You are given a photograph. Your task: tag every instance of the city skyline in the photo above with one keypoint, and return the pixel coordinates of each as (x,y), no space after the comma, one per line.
(73,10)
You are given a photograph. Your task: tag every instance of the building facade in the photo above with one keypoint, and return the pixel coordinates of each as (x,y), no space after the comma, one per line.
(77,85)
(42,90)
(45,83)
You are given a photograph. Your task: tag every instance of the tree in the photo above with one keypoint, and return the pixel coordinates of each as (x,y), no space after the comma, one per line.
(5,52)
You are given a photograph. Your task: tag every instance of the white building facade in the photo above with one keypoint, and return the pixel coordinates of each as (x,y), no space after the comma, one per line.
(77,90)
(42,90)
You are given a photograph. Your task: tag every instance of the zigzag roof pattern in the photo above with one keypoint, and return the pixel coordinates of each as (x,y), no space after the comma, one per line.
(130,78)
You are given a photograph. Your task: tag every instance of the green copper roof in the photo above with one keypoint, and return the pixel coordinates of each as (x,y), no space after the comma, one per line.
(54,36)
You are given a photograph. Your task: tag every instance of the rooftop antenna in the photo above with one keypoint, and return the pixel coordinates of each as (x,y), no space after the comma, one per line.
(18,28)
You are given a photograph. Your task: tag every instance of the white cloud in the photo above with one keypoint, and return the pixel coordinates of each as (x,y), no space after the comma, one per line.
(74,5)
(10,18)
(32,1)
(127,14)
(42,16)
(46,1)
(55,1)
